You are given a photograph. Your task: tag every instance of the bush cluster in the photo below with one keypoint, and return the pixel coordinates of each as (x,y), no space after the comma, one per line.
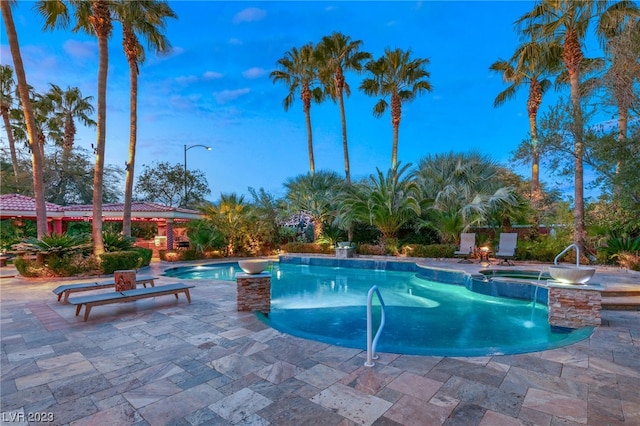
(371,249)
(129,259)
(434,251)
(309,248)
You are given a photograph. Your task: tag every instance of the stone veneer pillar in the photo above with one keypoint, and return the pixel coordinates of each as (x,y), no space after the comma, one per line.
(254,292)
(574,306)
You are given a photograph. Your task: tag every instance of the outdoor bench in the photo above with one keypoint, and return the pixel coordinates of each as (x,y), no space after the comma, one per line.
(128,296)
(65,290)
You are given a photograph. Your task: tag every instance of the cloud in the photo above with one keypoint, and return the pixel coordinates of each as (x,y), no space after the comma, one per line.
(250,14)
(184,103)
(186,79)
(229,95)
(81,49)
(254,72)
(207,75)
(212,75)
(235,42)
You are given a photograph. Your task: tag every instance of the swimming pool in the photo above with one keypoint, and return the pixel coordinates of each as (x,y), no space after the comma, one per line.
(215,271)
(424,316)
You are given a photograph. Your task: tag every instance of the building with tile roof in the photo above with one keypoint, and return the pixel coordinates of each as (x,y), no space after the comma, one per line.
(19,207)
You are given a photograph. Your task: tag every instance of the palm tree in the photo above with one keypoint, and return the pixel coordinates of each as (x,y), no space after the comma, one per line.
(315,194)
(460,190)
(229,217)
(566,22)
(529,66)
(298,69)
(93,17)
(23,91)
(147,20)
(66,107)
(384,201)
(7,90)
(338,54)
(402,78)
(623,48)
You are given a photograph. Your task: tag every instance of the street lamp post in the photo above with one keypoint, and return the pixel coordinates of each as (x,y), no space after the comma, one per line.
(187,148)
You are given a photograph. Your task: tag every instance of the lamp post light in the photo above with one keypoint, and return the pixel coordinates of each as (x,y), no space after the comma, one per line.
(187,148)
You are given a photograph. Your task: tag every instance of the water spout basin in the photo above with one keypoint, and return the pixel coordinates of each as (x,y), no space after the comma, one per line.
(571,274)
(253,266)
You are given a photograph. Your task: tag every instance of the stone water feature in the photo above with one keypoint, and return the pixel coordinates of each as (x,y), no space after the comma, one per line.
(572,302)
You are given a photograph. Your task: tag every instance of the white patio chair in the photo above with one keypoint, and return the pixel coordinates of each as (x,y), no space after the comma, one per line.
(507,247)
(467,247)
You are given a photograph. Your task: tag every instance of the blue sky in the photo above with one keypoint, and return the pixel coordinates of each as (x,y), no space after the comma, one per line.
(214,87)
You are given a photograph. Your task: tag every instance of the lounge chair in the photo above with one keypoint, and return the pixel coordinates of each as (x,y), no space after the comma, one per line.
(65,290)
(507,248)
(128,296)
(467,247)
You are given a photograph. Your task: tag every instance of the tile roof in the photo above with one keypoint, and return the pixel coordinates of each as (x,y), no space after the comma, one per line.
(21,205)
(17,202)
(135,207)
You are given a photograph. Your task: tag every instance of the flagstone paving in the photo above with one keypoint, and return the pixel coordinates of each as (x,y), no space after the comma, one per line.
(163,361)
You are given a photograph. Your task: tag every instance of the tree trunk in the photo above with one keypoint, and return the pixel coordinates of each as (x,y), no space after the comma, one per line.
(12,145)
(578,131)
(312,164)
(133,135)
(395,121)
(23,89)
(102,24)
(345,145)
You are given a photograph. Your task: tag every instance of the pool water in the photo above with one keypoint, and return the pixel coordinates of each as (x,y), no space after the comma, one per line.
(423,317)
(215,271)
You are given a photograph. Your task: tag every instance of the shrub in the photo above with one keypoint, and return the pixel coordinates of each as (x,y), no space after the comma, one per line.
(544,249)
(617,245)
(371,249)
(56,244)
(111,262)
(431,251)
(30,268)
(322,248)
(628,260)
(115,241)
(145,254)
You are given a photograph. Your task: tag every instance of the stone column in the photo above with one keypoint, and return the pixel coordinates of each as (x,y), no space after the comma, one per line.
(254,292)
(574,306)
(169,234)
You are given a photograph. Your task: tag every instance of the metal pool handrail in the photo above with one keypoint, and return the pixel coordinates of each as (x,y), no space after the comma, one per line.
(371,345)
(555,261)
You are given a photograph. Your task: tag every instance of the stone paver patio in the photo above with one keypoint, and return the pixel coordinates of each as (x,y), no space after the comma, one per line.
(165,362)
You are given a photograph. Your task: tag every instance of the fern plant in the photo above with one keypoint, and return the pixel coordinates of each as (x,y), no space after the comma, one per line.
(114,241)
(55,243)
(621,244)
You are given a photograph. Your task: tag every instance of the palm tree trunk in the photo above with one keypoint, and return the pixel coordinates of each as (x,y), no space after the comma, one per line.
(345,145)
(133,135)
(103,28)
(623,121)
(535,171)
(312,164)
(578,131)
(12,145)
(23,89)
(395,121)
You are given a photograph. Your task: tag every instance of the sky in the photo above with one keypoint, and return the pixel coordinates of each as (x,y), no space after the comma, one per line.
(214,88)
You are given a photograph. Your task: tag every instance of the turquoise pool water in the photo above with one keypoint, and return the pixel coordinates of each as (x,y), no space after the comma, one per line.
(424,317)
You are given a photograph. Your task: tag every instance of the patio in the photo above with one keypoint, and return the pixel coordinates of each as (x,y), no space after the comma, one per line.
(162,361)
